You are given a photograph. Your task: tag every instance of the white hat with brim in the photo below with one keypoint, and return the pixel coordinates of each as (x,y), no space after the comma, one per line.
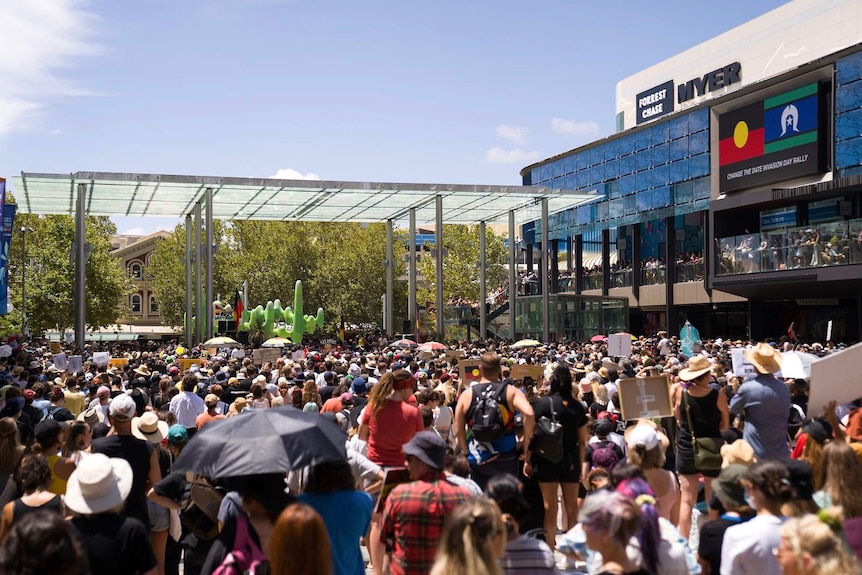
(765,358)
(100,483)
(149,427)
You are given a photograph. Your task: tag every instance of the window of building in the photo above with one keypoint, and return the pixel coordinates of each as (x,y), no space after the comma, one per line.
(136,303)
(154,305)
(136,270)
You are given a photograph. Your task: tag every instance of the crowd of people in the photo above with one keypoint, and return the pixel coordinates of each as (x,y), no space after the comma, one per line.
(446,469)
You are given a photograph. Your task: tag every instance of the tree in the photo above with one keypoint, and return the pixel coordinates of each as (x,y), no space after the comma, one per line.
(461,265)
(50,273)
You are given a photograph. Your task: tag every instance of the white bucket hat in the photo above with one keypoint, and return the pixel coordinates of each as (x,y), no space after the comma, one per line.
(100,483)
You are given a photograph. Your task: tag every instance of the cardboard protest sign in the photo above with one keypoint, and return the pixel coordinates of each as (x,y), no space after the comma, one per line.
(741,367)
(644,397)
(836,377)
(186,362)
(454,354)
(469,370)
(61,362)
(75,364)
(101,358)
(534,372)
(120,362)
(426,355)
(394,477)
(265,354)
(619,345)
(298,355)
(55,347)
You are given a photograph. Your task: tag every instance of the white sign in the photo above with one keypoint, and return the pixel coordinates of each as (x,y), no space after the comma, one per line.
(836,377)
(60,361)
(741,367)
(298,355)
(101,358)
(75,365)
(619,345)
(829,330)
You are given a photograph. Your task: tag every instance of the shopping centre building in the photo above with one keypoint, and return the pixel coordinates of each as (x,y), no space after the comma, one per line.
(730,194)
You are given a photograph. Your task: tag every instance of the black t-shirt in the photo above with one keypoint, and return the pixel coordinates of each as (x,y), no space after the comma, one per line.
(572,417)
(711,536)
(115,545)
(58,413)
(137,453)
(326,392)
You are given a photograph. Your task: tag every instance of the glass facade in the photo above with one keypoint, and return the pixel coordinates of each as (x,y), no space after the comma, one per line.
(848,115)
(652,173)
(572,317)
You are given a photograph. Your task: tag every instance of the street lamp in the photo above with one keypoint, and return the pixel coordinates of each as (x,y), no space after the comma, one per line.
(24,231)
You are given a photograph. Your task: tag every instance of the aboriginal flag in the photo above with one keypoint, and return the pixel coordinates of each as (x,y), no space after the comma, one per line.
(741,135)
(238,308)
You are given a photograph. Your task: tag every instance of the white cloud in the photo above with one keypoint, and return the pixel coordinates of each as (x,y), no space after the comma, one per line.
(291,174)
(498,155)
(55,132)
(573,128)
(39,40)
(517,134)
(134,232)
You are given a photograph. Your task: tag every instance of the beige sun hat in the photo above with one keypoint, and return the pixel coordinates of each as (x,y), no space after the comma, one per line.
(697,366)
(149,427)
(765,358)
(99,483)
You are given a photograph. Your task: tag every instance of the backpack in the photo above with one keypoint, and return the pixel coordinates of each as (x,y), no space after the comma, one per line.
(200,514)
(485,412)
(245,557)
(49,413)
(604,455)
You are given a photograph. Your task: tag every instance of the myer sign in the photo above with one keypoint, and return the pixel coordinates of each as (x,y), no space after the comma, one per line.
(658,101)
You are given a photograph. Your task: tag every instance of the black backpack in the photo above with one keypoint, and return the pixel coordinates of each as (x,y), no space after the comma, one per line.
(488,424)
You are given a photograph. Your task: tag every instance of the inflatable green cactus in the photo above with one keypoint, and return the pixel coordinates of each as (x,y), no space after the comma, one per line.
(261,322)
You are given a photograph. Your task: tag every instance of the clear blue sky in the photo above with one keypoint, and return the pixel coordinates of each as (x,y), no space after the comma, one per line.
(448,91)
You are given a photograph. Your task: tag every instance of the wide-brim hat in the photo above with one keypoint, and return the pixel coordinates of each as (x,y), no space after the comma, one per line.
(765,358)
(99,483)
(697,366)
(143,370)
(149,427)
(739,452)
(728,485)
(645,432)
(92,415)
(428,448)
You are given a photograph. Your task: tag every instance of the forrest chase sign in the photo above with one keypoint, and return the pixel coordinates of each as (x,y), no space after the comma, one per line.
(658,101)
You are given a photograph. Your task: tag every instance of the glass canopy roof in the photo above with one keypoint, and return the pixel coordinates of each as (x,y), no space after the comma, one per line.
(155,195)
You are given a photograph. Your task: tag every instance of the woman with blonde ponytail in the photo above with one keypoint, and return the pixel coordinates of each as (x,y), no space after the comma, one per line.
(473,541)
(386,424)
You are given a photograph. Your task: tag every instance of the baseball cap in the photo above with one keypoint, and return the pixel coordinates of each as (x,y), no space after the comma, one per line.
(122,408)
(177,434)
(211,399)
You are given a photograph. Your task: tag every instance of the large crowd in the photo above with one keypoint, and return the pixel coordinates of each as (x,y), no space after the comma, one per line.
(471,459)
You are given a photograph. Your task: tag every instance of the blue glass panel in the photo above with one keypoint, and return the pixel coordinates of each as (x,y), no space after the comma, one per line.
(678,171)
(583,215)
(598,173)
(627,185)
(702,188)
(612,150)
(644,200)
(612,169)
(661,154)
(684,192)
(848,97)
(534,175)
(848,153)
(629,204)
(698,143)
(698,120)
(642,140)
(601,210)
(582,160)
(597,155)
(616,208)
(699,165)
(627,145)
(663,197)
(678,149)
(849,69)
(848,125)
(581,179)
(569,182)
(612,189)
(661,175)
(556,169)
(679,127)
(661,134)
(847,172)
(593,177)
(568,165)
(644,160)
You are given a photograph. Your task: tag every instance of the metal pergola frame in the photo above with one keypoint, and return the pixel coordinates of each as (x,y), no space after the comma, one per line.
(201,199)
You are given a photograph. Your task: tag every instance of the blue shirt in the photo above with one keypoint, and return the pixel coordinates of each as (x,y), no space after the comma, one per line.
(765,403)
(347,515)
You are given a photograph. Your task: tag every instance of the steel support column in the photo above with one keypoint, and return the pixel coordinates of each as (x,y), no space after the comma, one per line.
(606,261)
(513,278)
(199,286)
(483,294)
(390,282)
(81,266)
(412,308)
(438,241)
(670,274)
(579,264)
(190,310)
(636,261)
(546,311)
(208,308)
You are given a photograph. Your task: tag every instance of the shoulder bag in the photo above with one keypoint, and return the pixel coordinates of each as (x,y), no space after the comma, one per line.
(707,450)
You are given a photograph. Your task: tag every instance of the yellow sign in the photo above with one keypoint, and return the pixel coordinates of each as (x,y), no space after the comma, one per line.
(186,362)
(120,362)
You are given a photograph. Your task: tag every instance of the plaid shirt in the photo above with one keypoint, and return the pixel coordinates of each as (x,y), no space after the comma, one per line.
(413,520)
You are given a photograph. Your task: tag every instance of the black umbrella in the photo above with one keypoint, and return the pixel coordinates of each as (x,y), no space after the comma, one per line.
(262,441)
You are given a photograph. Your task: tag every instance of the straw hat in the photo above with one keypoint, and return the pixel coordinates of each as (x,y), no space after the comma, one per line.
(697,366)
(740,451)
(100,483)
(149,427)
(92,416)
(143,370)
(765,358)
